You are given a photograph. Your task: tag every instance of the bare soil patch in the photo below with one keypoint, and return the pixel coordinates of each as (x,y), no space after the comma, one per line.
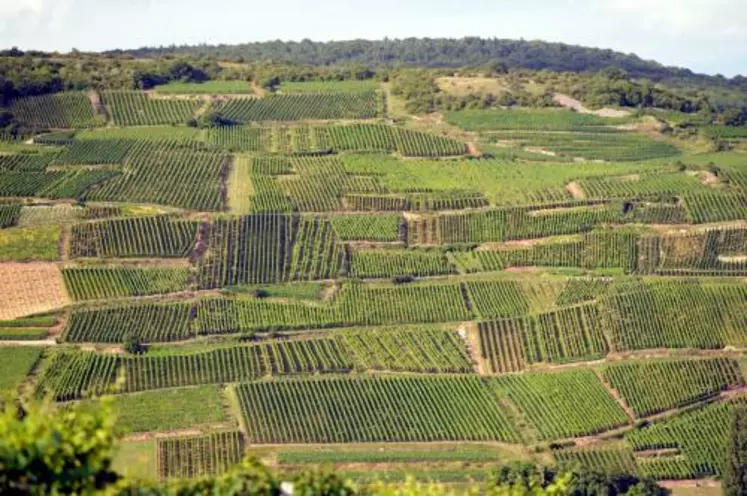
(472,149)
(30,343)
(575,190)
(469,85)
(30,288)
(708,178)
(732,259)
(573,104)
(145,436)
(540,151)
(468,333)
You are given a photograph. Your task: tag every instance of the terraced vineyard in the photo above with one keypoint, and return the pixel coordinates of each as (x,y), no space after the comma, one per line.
(61,110)
(132,108)
(563,404)
(472,414)
(244,268)
(296,107)
(682,382)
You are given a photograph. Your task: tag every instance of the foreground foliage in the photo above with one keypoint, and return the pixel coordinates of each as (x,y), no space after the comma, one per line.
(49,451)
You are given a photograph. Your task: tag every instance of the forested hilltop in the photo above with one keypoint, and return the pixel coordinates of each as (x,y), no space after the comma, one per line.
(446,52)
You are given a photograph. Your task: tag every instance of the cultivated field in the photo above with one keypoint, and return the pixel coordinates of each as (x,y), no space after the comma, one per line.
(313,282)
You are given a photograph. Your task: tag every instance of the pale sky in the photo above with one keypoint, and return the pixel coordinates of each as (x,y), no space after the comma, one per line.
(704,35)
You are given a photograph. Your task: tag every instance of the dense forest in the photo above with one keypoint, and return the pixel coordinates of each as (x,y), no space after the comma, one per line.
(441,53)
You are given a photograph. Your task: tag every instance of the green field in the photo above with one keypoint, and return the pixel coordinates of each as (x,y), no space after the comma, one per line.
(309,269)
(206,88)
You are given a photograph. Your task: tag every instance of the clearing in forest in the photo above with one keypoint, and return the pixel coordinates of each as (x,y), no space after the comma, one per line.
(31,288)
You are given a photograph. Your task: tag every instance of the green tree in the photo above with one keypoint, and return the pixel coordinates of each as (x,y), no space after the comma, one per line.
(734,480)
(132,344)
(44,450)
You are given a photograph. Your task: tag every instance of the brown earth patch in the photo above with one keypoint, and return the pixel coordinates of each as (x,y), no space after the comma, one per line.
(540,151)
(472,149)
(468,333)
(31,288)
(146,436)
(573,104)
(732,259)
(575,190)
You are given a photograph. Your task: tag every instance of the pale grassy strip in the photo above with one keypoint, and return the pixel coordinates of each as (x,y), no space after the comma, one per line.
(240,188)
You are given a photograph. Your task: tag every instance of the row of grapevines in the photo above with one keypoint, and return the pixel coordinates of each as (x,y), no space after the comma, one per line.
(349,105)
(563,404)
(135,108)
(683,314)
(654,386)
(700,436)
(96,283)
(416,202)
(559,336)
(59,110)
(150,322)
(611,145)
(199,456)
(401,409)
(235,364)
(615,461)
(715,251)
(73,375)
(9,215)
(407,349)
(158,236)
(367,227)
(104,151)
(169,174)
(716,206)
(26,162)
(390,263)
(316,251)
(250,249)
(648,185)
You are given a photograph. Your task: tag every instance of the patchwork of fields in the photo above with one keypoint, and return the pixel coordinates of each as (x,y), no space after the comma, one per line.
(313,282)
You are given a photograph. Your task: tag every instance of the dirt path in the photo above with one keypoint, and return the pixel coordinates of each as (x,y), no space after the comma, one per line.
(472,149)
(29,344)
(98,107)
(616,395)
(468,333)
(573,104)
(66,233)
(671,484)
(257,89)
(575,189)
(146,436)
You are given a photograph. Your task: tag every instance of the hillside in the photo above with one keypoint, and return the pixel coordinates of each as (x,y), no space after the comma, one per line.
(446,53)
(401,273)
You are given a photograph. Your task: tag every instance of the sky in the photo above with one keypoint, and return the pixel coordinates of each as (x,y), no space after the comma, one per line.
(707,36)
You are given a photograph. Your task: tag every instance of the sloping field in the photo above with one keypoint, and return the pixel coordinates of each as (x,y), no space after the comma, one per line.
(30,288)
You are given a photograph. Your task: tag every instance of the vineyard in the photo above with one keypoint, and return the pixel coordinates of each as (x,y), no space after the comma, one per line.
(675,383)
(300,269)
(61,110)
(94,283)
(312,106)
(305,139)
(131,108)
(198,456)
(158,236)
(368,409)
(563,404)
